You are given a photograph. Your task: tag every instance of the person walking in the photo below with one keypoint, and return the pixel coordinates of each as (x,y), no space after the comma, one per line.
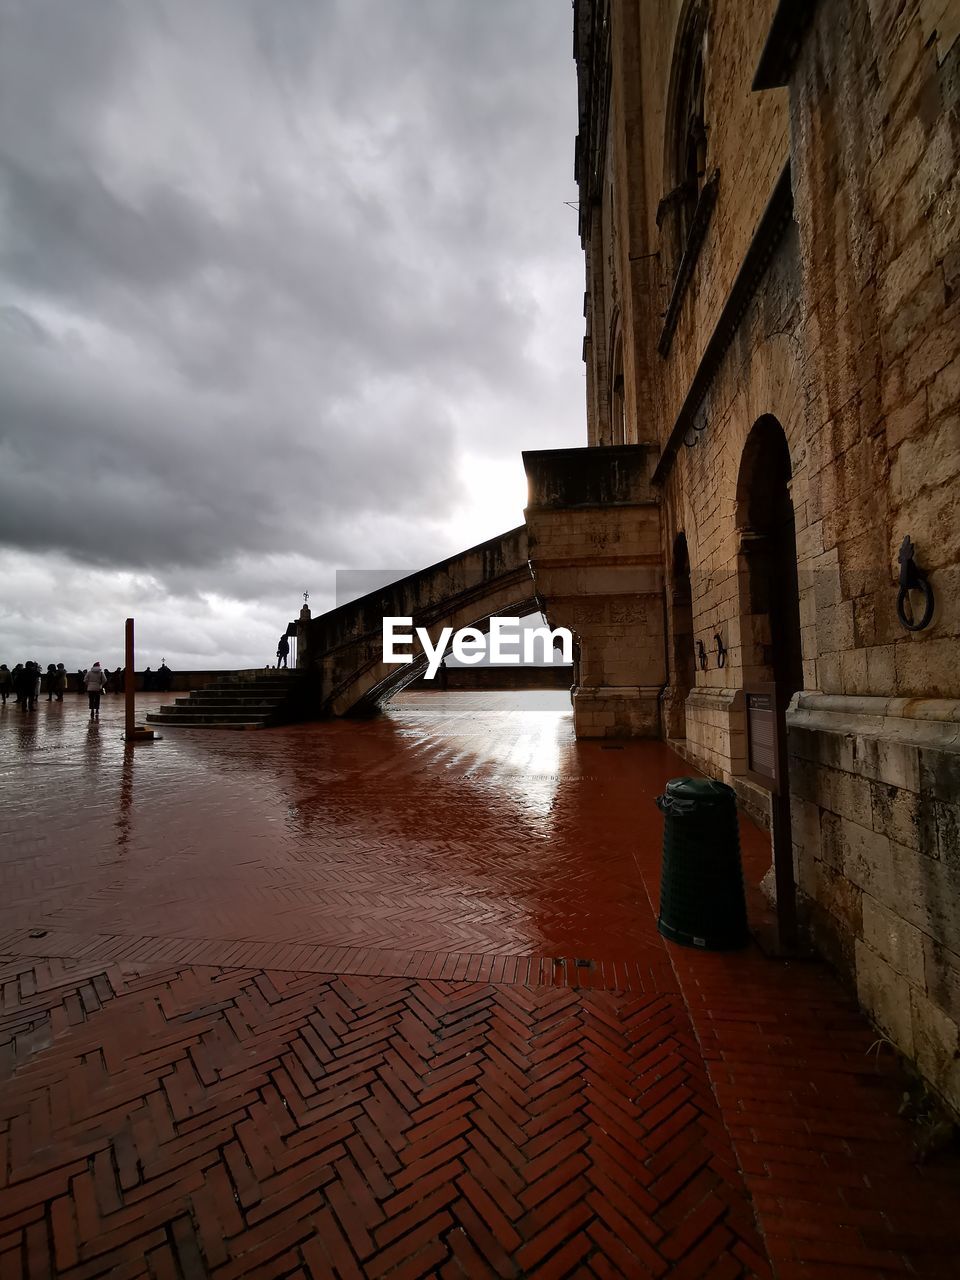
(51,680)
(283,649)
(6,682)
(61,680)
(95,683)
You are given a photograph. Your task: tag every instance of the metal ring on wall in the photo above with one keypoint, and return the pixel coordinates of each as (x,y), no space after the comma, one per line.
(913,623)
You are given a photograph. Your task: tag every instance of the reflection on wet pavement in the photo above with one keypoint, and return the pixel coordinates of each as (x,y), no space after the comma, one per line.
(387,997)
(440,827)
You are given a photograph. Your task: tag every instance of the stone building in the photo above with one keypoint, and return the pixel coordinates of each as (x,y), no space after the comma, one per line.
(770,214)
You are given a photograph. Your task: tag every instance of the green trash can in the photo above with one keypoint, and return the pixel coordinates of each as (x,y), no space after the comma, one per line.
(701,883)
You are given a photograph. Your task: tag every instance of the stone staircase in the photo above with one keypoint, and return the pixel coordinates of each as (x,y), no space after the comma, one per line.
(248,700)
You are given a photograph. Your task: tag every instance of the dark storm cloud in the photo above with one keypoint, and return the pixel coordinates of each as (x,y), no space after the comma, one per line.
(272,274)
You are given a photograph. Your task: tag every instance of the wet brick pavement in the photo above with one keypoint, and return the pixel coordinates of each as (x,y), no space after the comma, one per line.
(387,998)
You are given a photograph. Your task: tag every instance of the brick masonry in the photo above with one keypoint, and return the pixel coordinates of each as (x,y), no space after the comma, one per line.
(388,998)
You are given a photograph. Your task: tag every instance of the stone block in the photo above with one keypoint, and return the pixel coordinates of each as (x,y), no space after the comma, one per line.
(946,822)
(944,391)
(936,1047)
(906,419)
(805,820)
(896,813)
(831,839)
(854,678)
(847,795)
(924,891)
(898,764)
(885,995)
(928,668)
(842,900)
(930,459)
(940,774)
(867,860)
(899,942)
(942,976)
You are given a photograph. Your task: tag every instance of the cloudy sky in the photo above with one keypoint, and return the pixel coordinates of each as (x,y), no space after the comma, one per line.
(285,288)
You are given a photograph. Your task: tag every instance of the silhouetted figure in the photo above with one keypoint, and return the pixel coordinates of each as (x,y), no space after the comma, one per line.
(283,650)
(81,677)
(26,687)
(61,681)
(15,681)
(121,679)
(148,680)
(51,680)
(164,677)
(6,682)
(95,683)
(118,680)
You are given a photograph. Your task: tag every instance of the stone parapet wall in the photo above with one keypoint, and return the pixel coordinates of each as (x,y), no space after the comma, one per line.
(876,825)
(715,730)
(616,712)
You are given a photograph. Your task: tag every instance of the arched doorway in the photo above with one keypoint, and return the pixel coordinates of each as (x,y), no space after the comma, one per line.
(770,597)
(770,621)
(682,660)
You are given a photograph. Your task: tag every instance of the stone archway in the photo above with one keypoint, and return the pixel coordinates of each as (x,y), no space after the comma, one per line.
(770,622)
(769,588)
(682,658)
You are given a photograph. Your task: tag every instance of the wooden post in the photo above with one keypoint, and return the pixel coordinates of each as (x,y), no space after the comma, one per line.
(129,683)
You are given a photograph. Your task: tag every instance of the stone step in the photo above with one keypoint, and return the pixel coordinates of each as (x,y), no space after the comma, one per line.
(273,689)
(216,713)
(281,682)
(232,700)
(201,722)
(246,703)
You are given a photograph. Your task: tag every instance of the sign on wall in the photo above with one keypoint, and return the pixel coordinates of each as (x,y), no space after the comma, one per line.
(762,731)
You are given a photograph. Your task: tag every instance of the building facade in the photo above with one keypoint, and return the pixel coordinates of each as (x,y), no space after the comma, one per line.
(770,215)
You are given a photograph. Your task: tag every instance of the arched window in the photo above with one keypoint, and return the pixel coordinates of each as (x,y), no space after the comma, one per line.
(685,154)
(690,127)
(618,423)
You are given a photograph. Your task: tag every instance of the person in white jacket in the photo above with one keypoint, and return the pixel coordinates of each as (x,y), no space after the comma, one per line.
(95,682)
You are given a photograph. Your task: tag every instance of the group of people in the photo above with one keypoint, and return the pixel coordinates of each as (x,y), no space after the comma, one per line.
(27,681)
(159,681)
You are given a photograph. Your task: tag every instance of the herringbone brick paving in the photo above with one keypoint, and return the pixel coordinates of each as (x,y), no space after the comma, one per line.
(388,999)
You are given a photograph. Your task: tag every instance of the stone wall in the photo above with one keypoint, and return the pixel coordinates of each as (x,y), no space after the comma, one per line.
(594,528)
(484,679)
(840,322)
(875,772)
(876,170)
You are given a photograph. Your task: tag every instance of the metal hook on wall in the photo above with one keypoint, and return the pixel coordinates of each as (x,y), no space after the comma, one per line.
(913,578)
(721,650)
(702,655)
